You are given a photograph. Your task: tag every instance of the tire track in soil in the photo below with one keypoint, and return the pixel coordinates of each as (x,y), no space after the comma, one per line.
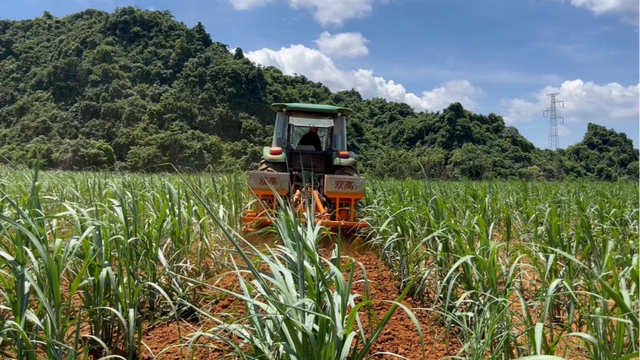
(399,336)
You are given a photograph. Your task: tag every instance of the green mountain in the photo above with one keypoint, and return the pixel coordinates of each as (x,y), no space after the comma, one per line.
(135,89)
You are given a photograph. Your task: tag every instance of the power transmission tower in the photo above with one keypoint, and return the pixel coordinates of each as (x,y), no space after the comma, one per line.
(553,120)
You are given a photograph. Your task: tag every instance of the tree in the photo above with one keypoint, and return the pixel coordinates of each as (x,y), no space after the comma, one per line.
(633,170)
(143,158)
(135,87)
(202,36)
(238,54)
(471,162)
(531,173)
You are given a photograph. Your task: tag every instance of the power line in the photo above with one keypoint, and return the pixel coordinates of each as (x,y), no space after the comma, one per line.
(553,120)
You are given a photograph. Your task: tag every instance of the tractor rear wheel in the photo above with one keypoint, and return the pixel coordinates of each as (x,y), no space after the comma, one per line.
(271,166)
(346,170)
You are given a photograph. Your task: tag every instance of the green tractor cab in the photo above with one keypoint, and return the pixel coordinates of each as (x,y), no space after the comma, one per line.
(293,121)
(309,153)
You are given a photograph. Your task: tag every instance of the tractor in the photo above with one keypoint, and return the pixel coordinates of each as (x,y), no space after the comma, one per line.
(309,166)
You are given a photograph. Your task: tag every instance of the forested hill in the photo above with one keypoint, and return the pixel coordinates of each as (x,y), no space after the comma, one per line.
(134,89)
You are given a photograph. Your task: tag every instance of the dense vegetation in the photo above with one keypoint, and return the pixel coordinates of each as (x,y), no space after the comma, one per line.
(136,89)
(77,280)
(93,263)
(517,268)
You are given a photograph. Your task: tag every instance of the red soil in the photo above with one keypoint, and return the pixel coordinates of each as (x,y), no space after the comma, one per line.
(399,336)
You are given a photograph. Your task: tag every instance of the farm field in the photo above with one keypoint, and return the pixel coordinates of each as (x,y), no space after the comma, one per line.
(105,265)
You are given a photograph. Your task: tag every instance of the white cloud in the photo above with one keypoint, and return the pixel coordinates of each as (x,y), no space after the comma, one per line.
(298,59)
(334,12)
(583,102)
(326,12)
(628,8)
(452,91)
(606,6)
(343,44)
(248,4)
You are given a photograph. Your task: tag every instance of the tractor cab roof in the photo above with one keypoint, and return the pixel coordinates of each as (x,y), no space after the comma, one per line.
(310,108)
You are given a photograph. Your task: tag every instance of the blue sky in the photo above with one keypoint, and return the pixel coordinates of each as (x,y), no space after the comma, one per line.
(493,56)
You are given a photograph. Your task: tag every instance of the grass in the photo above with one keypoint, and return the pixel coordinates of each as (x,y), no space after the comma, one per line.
(517,268)
(88,261)
(119,247)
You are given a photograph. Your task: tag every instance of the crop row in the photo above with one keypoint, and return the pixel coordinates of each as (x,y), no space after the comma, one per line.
(88,261)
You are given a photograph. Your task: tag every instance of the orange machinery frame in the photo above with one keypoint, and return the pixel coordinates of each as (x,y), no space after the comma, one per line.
(343,217)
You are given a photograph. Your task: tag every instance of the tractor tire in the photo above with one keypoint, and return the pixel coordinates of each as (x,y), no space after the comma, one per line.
(271,166)
(346,171)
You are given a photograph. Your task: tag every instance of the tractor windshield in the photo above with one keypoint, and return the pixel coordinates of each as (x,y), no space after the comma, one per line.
(302,138)
(310,132)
